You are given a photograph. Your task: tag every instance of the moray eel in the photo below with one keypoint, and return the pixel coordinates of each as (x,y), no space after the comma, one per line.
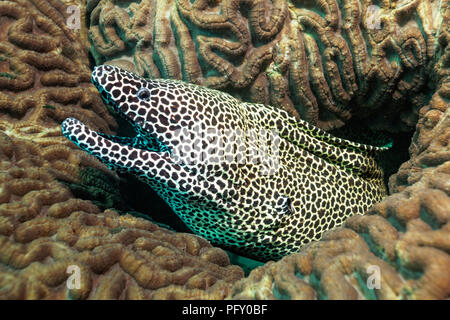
(268,186)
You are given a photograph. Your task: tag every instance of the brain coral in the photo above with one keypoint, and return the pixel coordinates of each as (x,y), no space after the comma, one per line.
(322,60)
(45,231)
(43,77)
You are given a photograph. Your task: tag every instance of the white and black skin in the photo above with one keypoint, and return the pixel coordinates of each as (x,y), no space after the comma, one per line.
(320,180)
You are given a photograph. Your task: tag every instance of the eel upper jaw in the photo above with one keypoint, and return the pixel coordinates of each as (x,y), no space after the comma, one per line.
(107,99)
(140,132)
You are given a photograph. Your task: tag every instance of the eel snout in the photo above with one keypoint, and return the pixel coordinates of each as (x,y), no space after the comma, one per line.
(118,154)
(110,152)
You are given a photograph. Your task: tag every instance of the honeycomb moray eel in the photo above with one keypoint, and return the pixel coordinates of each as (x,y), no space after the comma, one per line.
(265,184)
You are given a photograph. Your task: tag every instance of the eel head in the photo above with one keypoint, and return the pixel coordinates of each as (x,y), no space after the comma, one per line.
(175,123)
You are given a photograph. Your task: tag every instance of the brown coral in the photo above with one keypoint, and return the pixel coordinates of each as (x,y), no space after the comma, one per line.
(409,244)
(44,73)
(322,60)
(45,232)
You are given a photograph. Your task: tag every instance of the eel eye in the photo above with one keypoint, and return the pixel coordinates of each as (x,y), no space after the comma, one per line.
(143,94)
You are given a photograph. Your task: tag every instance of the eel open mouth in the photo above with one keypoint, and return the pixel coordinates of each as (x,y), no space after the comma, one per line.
(116,88)
(112,150)
(119,154)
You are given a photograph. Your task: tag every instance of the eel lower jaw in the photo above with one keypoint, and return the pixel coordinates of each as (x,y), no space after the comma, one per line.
(100,145)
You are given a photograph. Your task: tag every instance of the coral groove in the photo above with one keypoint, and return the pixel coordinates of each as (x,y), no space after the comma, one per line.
(325,61)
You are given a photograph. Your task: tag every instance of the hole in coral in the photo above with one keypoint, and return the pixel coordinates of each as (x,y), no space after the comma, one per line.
(390,160)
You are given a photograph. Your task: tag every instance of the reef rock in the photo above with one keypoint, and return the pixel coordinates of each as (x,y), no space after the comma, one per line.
(53,245)
(324,61)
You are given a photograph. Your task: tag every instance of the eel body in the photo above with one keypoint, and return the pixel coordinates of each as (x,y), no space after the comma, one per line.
(247,177)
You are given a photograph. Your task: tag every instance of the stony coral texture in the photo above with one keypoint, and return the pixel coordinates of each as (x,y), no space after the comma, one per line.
(325,61)
(45,231)
(44,72)
(46,234)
